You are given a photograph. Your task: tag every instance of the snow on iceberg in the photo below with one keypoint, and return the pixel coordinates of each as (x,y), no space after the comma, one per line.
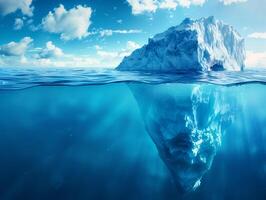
(200,45)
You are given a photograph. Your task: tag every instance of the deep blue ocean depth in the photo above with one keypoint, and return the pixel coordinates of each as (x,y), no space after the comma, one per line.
(91,142)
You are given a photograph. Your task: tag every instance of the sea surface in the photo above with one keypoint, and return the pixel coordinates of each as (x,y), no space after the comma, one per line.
(90,134)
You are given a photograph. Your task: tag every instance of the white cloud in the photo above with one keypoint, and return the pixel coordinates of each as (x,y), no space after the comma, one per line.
(19,23)
(98,47)
(140,6)
(258,35)
(50,51)
(67,61)
(113,58)
(8,61)
(256,59)
(131,46)
(102,58)
(109,32)
(70,24)
(16,48)
(52,56)
(119,21)
(168,4)
(10,6)
(229,2)
(64,61)
(2,63)
(172,4)
(150,6)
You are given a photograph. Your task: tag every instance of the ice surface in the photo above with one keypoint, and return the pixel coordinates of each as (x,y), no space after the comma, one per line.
(199,45)
(185,122)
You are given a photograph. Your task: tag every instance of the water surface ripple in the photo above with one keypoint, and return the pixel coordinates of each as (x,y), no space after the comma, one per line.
(19,78)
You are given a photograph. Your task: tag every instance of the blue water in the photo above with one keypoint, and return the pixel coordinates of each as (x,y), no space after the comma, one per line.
(91,134)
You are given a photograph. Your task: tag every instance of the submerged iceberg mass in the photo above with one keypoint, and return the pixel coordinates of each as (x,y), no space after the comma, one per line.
(205,44)
(186,123)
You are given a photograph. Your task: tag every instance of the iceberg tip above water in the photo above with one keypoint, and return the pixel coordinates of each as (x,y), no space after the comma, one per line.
(205,44)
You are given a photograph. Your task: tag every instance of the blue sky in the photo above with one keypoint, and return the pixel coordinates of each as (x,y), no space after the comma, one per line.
(99,33)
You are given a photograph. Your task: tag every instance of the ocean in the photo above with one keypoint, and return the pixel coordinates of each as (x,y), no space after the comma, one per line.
(88,134)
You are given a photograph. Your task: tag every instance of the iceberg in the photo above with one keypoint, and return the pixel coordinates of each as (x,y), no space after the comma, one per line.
(205,44)
(186,123)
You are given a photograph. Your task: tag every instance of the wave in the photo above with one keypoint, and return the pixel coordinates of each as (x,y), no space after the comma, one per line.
(19,78)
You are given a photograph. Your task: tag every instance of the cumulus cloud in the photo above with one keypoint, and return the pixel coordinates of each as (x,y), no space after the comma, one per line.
(256,59)
(142,6)
(50,51)
(19,23)
(10,6)
(16,48)
(168,4)
(229,2)
(258,35)
(70,24)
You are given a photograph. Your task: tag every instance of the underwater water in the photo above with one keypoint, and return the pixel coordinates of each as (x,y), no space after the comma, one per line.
(79,134)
